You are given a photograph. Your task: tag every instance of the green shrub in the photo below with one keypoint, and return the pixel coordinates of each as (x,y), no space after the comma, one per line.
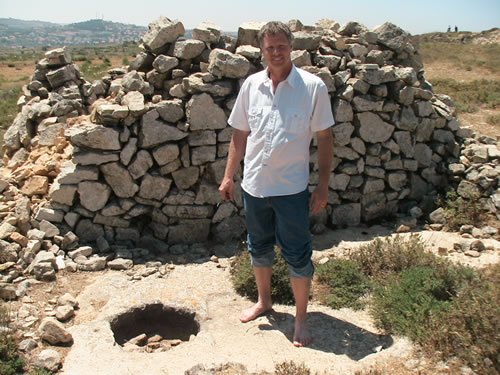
(345,282)
(244,281)
(469,330)
(493,119)
(291,368)
(405,303)
(460,211)
(10,362)
(382,257)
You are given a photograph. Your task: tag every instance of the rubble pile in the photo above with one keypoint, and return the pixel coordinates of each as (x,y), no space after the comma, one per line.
(128,167)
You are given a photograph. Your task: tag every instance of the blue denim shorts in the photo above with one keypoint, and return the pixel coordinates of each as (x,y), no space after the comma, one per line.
(282,220)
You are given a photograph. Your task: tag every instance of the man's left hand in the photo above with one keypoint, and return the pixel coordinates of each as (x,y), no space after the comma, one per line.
(319,199)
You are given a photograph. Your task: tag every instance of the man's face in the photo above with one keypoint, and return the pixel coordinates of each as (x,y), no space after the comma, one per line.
(276,51)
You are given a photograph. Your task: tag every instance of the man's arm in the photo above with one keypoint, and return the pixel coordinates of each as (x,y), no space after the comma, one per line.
(319,197)
(236,153)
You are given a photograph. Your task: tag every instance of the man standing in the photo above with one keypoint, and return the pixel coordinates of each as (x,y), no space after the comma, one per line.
(274,117)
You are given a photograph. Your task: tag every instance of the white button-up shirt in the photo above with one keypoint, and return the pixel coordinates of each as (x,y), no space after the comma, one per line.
(281,126)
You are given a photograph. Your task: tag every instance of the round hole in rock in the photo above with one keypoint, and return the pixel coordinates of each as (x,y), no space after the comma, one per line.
(170,323)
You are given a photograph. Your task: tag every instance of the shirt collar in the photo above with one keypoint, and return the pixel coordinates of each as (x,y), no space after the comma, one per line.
(291,79)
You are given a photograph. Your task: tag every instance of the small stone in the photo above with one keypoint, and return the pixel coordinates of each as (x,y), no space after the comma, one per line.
(443,251)
(436,227)
(324,260)
(214,259)
(473,253)
(64,313)
(54,332)
(139,340)
(403,229)
(67,299)
(477,245)
(48,359)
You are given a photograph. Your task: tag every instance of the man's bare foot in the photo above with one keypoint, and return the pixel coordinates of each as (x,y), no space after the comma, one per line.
(301,336)
(254,312)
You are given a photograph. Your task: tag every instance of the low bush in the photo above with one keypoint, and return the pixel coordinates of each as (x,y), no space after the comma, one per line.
(291,368)
(468,329)
(493,119)
(244,281)
(10,361)
(345,282)
(383,257)
(470,96)
(461,211)
(406,302)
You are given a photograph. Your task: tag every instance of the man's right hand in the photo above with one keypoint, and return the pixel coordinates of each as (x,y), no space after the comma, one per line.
(226,189)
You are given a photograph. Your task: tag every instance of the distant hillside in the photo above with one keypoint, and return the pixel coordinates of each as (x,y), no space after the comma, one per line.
(13,23)
(16,33)
(483,37)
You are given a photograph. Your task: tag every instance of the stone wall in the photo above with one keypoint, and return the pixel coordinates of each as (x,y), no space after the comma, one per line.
(134,160)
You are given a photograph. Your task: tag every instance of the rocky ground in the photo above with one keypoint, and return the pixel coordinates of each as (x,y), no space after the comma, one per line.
(345,341)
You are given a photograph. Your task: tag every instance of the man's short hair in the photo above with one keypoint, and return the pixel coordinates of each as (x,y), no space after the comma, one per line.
(273,28)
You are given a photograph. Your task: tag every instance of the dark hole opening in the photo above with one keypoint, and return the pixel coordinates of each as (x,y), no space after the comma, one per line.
(155,319)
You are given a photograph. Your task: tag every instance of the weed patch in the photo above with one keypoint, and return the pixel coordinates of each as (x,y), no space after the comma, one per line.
(468,329)
(470,96)
(244,281)
(291,368)
(461,211)
(383,257)
(346,284)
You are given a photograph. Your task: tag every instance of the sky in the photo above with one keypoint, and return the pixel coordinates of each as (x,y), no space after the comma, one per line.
(416,17)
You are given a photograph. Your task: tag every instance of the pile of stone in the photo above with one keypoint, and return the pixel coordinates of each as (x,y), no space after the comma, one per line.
(128,166)
(475,176)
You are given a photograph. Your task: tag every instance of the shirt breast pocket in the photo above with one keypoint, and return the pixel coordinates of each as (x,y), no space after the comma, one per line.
(296,121)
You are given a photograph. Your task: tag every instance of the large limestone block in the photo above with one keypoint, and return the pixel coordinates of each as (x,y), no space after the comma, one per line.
(204,82)
(247,33)
(203,113)
(170,110)
(62,75)
(94,158)
(132,81)
(166,153)
(185,178)
(207,32)
(164,63)
(134,100)
(188,49)
(18,131)
(140,165)
(58,56)
(392,36)
(346,215)
(189,231)
(119,179)
(94,136)
(72,173)
(305,41)
(154,131)
(162,32)
(372,128)
(342,133)
(93,195)
(397,180)
(342,111)
(64,194)
(223,63)
(154,187)
(405,142)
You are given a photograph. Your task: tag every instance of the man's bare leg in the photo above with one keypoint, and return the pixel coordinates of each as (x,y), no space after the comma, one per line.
(264,303)
(301,289)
